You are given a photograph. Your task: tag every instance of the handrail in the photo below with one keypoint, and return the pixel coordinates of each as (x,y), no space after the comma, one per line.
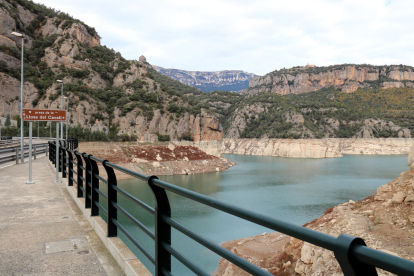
(353,256)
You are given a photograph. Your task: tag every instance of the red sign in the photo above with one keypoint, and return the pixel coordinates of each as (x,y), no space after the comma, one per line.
(44,115)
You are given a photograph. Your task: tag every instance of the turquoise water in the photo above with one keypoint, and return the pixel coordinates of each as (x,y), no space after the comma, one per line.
(293,190)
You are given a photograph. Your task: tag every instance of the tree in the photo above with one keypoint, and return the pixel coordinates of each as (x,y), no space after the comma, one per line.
(8,122)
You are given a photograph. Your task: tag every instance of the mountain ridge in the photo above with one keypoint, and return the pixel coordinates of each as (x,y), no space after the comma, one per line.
(208,81)
(343,77)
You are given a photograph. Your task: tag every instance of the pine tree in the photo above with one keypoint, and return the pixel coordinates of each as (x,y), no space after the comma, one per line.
(8,122)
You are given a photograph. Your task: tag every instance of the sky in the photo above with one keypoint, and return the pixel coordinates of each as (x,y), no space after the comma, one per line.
(256,36)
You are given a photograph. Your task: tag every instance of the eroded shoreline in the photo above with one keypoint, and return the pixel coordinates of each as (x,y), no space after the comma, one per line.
(317,148)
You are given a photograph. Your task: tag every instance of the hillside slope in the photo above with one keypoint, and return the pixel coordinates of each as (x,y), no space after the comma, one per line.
(327,113)
(108,95)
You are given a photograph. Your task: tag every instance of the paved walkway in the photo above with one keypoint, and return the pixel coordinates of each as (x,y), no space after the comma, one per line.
(42,231)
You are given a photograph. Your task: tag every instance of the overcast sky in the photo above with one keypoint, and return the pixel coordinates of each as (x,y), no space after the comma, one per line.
(256,36)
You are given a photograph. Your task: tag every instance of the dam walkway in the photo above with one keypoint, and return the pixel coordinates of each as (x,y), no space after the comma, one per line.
(42,230)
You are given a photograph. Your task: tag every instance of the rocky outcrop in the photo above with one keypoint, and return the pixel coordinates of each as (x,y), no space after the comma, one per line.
(347,78)
(161,158)
(385,221)
(230,80)
(10,101)
(77,31)
(316,148)
(11,61)
(203,127)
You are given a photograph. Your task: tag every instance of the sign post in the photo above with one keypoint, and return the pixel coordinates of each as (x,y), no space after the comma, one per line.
(30,154)
(57,154)
(48,116)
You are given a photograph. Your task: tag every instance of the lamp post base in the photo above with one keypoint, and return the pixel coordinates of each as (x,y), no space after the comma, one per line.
(30,182)
(56,181)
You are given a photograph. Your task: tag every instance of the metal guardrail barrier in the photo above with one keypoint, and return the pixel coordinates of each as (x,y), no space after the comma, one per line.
(354,257)
(15,153)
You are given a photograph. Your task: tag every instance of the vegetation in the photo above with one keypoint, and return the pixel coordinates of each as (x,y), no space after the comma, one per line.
(317,113)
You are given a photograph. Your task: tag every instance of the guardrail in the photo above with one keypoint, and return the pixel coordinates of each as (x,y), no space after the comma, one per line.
(354,257)
(9,143)
(15,154)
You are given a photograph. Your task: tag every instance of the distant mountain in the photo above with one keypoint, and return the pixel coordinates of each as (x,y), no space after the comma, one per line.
(227,80)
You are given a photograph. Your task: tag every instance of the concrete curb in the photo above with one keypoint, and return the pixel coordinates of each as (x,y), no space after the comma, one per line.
(125,258)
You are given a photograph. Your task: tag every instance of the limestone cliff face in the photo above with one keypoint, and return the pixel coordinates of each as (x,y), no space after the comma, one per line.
(77,30)
(141,106)
(231,80)
(316,148)
(243,115)
(10,101)
(348,78)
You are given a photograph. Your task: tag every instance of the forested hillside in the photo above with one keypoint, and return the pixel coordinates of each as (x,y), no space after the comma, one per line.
(369,112)
(108,96)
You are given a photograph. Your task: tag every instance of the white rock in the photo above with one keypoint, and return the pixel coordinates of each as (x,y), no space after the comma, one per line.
(398,197)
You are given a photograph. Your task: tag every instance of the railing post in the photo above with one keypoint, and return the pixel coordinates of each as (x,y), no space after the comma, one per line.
(80,173)
(50,152)
(34,152)
(17,155)
(95,186)
(63,161)
(70,167)
(112,230)
(47,148)
(349,264)
(162,229)
(88,181)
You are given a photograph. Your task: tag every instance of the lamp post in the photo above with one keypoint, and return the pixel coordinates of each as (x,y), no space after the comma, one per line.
(61,107)
(67,104)
(21,101)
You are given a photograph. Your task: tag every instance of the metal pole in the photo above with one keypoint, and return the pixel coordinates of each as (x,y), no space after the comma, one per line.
(57,153)
(67,104)
(61,107)
(21,109)
(37,129)
(30,154)
(50,127)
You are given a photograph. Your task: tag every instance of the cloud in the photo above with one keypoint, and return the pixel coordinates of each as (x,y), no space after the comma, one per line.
(256,36)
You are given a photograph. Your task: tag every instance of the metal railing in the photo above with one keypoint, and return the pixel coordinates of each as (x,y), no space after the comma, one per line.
(353,256)
(14,153)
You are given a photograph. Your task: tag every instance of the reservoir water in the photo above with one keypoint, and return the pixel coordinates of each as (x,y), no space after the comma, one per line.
(293,190)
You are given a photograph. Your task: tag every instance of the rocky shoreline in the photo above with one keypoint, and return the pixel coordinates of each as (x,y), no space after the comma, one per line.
(160,158)
(384,220)
(317,148)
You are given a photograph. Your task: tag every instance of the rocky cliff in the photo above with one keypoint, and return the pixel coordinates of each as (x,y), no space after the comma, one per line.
(384,220)
(106,93)
(228,80)
(347,78)
(316,148)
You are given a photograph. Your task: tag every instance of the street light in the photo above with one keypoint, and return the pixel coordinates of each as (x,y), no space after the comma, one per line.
(61,107)
(67,104)
(21,100)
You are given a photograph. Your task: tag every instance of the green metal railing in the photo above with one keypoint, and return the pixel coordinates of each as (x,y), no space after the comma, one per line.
(354,257)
